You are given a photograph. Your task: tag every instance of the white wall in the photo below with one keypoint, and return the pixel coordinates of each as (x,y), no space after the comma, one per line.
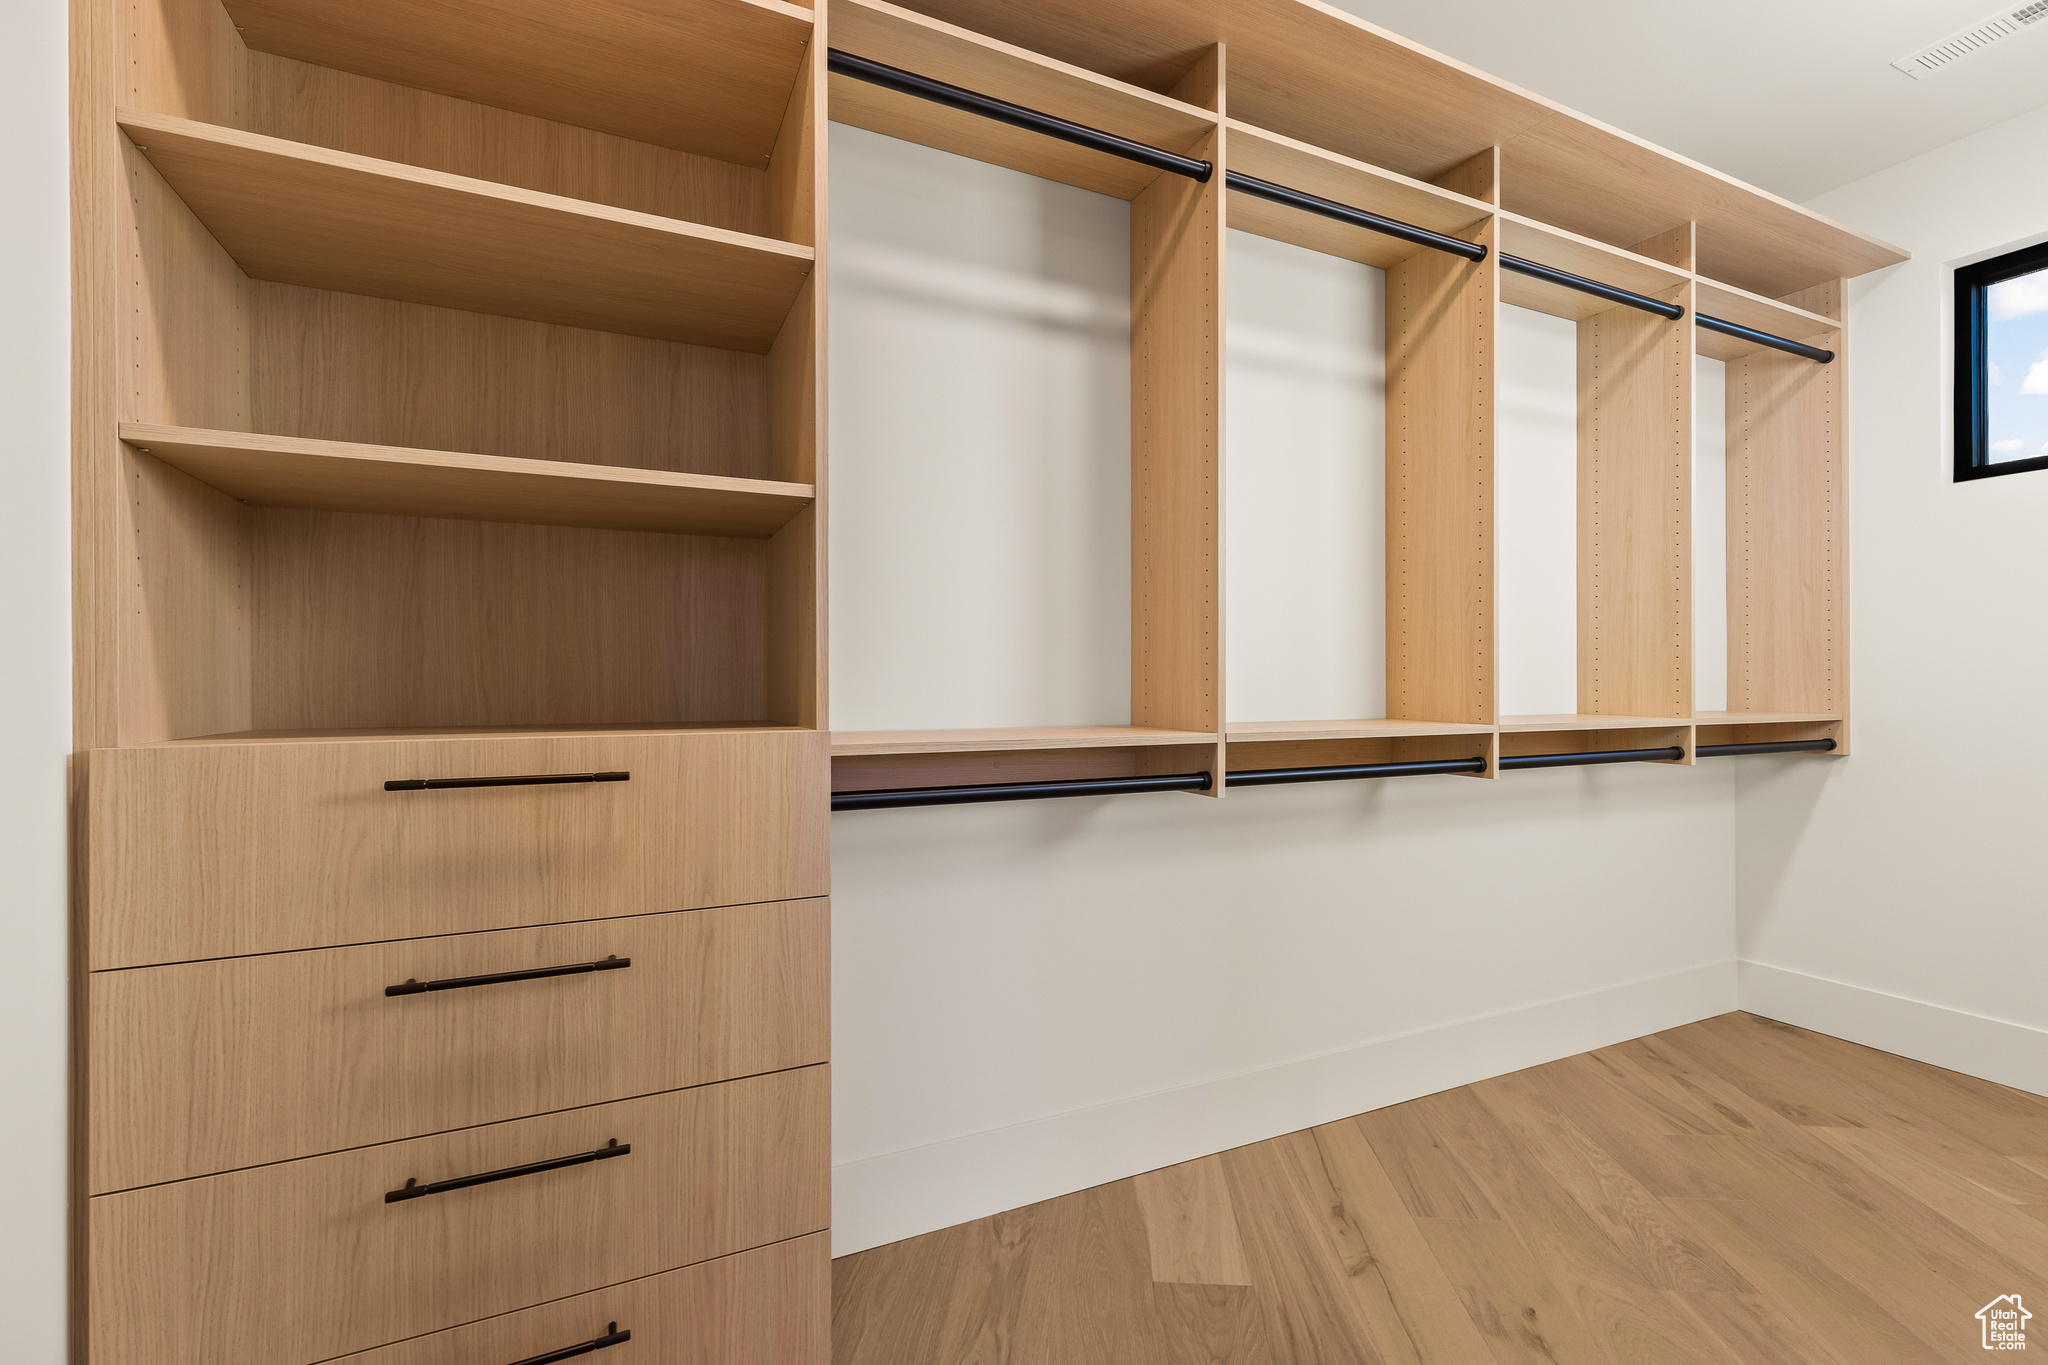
(1034,998)
(1305,591)
(35,680)
(1536,513)
(1709,535)
(1896,896)
(980,357)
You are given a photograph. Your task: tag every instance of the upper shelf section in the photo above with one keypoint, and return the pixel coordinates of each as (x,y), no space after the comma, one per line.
(1266,155)
(1310,72)
(332,220)
(706,76)
(898,37)
(1577,255)
(1745,309)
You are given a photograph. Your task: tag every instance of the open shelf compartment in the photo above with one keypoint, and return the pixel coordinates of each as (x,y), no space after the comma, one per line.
(705,76)
(909,41)
(1569,252)
(1266,155)
(1739,306)
(308,216)
(341,476)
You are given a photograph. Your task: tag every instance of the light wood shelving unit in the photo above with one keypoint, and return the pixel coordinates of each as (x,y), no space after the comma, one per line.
(1328,105)
(450,408)
(450,390)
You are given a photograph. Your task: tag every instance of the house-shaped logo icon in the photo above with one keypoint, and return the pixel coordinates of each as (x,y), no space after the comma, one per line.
(2005,1323)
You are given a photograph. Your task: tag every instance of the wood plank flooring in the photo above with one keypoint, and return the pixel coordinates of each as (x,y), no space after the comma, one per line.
(1734,1192)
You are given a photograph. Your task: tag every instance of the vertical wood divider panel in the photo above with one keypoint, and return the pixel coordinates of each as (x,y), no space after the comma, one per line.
(1177,233)
(1442,321)
(1788,606)
(1477,178)
(1675,246)
(99,205)
(796,411)
(1635,511)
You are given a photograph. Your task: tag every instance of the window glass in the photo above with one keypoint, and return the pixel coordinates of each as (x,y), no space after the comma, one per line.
(2016,368)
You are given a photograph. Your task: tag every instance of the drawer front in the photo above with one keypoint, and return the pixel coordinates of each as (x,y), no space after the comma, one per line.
(215,850)
(303,1261)
(212,1066)
(771,1306)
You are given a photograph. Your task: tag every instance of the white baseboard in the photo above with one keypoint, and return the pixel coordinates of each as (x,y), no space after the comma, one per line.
(1995,1049)
(921,1189)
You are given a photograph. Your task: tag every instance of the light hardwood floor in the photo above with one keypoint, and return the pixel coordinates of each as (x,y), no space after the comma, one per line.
(1734,1192)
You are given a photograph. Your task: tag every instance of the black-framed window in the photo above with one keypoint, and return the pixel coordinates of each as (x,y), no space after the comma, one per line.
(2002,364)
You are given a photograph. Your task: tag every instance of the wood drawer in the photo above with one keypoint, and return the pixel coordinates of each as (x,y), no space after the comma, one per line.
(210,1066)
(771,1306)
(214,850)
(305,1260)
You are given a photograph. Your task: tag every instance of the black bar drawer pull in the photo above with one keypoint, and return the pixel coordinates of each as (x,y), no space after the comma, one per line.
(414,1190)
(437,784)
(456,983)
(612,1337)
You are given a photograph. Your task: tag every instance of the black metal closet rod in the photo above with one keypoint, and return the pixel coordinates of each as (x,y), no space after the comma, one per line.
(1016,115)
(1344,772)
(1344,213)
(1784,746)
(1593,287)
(1194,168)
(899,797)
(1736,329)
(1514,762)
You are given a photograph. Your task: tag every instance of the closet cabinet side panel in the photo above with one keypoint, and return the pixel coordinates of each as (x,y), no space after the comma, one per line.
(1442,322)
(796,412)
(182,57)
(1635,512)
(1787,519)
(1176,450)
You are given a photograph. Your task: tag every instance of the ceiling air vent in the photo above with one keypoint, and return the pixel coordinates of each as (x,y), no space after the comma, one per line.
(1972,40)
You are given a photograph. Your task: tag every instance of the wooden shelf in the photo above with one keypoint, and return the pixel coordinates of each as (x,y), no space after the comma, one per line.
(1561,250)
(1520,725)
(1763,718)
(1299,166)
(1255,731)
(346,736)
(858,743)
(709,76)
(1739,306)
(304,215)
(338,476)
(902,38)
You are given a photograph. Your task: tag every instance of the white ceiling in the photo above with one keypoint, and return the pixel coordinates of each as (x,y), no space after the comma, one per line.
(1796,96)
